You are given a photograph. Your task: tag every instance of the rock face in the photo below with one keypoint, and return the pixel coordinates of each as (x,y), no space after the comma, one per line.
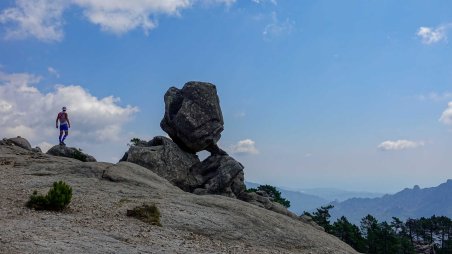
(21,142)
(163,157)
(193,117)
(219,174)
(70,152)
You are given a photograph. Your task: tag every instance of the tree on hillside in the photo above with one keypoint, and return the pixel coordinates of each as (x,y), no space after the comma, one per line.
(349,233)
(273,193)
(322,217)
(369,229)
(400,230)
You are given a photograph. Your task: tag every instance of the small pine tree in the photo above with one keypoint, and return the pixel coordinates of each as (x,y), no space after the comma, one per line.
(58,198)
(273,193)
(135,141)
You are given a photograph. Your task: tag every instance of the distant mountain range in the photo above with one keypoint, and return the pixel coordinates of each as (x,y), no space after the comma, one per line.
(408,203)
(309,199)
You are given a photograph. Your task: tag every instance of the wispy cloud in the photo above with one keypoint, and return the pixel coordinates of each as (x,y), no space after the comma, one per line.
(399,145)
(277,28)
(240,114)
(434,96)
(43,19)
(246,146)
(265,1)
(446,116)
(431,35)
(52,71)
(27,112)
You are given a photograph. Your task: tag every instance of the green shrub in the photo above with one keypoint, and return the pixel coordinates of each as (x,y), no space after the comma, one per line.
(147,213)
(58,198)
(273,193)
(136,142)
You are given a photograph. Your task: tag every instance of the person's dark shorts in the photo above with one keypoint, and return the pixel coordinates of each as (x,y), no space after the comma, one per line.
(64,127)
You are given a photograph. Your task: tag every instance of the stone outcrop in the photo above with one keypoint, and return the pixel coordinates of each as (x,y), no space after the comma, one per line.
(163,157)
(219,174)
(70,152)
(264,201)
(193,117)
(194,121)
(19,141)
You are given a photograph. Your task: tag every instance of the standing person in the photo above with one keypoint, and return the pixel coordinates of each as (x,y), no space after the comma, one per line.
(64,125)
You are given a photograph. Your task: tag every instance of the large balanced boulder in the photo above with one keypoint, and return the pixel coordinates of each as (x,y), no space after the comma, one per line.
(70,152)
(193,117)
(162,156)
(219,174)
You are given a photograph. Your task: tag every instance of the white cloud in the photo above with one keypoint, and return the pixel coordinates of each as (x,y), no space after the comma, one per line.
(41,19)
(399,145)
(119,16)
(52,71)
(263,1)
(29,113)
(210,2)
(277,28)
(446,116)
(431,35)
(435,96)
(246,146)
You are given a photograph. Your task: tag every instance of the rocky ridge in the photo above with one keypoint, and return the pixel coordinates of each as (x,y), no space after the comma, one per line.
(96,220)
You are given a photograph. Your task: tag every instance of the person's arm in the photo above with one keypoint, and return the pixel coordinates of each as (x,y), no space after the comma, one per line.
(56,122)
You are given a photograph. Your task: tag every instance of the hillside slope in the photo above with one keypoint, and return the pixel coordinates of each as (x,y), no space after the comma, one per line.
(408,203)
(96,221)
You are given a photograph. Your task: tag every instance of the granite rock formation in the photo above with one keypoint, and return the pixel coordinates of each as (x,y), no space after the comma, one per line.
(18,141)
(70,152)
(219,174)
(163,157)
(194,121)
(193,117)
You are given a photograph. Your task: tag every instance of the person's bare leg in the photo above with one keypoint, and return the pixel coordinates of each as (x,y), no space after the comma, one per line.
(64,137)
(61,134)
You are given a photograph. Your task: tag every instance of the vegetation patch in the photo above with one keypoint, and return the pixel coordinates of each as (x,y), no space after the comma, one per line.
(147,213)
(272,193)
(58,198)
(135,142)
(79,155)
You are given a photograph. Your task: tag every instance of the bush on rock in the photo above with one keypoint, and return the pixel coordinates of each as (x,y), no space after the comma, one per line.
(58,198)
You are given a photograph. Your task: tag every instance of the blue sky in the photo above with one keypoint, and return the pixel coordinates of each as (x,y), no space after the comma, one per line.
(348,94)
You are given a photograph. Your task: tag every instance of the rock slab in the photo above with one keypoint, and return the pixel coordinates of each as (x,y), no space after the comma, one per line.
(70,152)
